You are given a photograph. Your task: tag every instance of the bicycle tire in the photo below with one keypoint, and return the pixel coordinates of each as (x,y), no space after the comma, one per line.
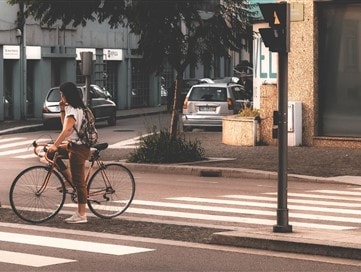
(111,202)
(30,206)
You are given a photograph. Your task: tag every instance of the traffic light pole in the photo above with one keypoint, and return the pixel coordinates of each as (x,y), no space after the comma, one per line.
(282,210)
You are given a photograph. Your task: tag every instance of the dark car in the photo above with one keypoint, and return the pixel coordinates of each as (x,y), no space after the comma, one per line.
(102,107)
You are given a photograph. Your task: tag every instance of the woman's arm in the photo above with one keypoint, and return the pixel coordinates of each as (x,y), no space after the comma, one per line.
(68,124)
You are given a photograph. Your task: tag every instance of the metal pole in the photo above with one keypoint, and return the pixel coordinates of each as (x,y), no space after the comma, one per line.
(24,74)
(282,210)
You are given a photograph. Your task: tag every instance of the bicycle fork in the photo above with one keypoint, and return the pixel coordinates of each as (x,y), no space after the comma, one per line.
(44,185)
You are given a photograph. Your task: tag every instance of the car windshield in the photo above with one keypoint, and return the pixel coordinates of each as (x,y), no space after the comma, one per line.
(97,92)
(54,95)
(208,94)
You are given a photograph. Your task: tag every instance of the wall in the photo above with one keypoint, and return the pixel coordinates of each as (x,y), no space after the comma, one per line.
(302,73)
(302,68)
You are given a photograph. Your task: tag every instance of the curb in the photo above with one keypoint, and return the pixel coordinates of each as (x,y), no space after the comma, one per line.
(296,242)
(204,171)
(28,128)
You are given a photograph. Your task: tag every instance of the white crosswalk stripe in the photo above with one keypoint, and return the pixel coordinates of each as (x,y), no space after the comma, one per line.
(32,260)
(35,260)
(323,211)
(21,147)
(18,147)
(130,143)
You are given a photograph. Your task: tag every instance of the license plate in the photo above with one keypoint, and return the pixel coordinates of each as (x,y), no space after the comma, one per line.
(205,108)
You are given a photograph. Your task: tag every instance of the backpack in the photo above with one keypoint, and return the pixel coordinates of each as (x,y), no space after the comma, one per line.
(87,133)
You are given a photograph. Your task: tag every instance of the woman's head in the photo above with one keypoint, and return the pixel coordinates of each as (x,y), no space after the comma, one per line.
(72,95)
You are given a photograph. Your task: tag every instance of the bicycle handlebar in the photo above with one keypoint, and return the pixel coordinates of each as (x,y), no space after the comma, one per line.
(43,147)
(38,147)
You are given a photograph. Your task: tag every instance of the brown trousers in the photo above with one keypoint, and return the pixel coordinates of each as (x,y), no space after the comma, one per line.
(77,155)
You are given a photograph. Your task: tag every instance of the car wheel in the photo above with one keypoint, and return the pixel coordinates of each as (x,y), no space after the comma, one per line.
(112,121)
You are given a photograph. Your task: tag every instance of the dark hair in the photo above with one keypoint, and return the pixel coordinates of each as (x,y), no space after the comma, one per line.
(72,94)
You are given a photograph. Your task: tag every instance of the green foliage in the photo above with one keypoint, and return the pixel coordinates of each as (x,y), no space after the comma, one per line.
(181,33)
(162,148)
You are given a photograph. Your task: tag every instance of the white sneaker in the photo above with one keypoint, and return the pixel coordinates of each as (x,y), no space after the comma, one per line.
(76,218)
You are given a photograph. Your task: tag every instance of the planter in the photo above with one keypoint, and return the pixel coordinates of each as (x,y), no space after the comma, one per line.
(241,131)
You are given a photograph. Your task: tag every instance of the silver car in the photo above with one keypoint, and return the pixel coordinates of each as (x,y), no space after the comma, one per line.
(206,104)
(102,107)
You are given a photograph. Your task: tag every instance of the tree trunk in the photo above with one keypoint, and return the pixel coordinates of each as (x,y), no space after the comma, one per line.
(177,106)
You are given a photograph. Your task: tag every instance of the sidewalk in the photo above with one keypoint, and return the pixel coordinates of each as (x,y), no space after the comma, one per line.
(342,244)
(33,124)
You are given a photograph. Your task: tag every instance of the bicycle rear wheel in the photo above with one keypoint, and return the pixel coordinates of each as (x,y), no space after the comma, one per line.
(111,190)
(32,198)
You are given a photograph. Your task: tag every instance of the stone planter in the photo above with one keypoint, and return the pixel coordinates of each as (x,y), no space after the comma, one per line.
(241,131)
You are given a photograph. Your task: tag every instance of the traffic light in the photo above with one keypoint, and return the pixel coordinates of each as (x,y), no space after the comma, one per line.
(277,37)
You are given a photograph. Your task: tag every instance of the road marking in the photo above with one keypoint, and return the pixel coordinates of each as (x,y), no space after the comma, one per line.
(338,192)
(71,244)
(318,196)
(5,140)
(269,205)
(233,219)
(30,259)
(244,211)
(14,151)
(9,145)
(130,143)
(28,156)
(301,201)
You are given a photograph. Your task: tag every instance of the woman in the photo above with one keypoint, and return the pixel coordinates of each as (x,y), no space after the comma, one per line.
(68,144)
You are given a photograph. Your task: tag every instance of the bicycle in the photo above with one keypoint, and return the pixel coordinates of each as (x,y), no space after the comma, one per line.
(38,193)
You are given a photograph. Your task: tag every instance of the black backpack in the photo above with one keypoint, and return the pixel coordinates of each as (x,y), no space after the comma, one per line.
(87,133)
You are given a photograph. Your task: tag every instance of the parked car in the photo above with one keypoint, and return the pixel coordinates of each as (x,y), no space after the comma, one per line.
(206,104)
(106,93)
(102,107)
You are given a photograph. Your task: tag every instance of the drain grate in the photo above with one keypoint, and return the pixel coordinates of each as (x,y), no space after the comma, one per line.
(210,173)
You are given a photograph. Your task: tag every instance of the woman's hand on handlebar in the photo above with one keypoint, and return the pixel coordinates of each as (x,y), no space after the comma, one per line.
(52,148)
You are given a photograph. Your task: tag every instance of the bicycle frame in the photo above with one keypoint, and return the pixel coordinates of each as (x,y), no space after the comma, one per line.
(94,159)
(110,186)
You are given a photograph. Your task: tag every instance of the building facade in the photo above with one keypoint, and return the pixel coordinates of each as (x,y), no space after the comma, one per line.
(44,57)
(39,57)
(324,70)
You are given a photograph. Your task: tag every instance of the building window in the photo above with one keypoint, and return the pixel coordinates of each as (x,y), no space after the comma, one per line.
(339,33)
(140,84)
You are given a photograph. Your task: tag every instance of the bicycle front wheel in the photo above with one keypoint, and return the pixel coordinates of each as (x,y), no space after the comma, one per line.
(36,194)
(111,190)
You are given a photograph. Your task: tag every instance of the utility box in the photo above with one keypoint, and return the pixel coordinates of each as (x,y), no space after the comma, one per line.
(294,123)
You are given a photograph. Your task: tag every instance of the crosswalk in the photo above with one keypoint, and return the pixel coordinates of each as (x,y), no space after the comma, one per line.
(16,147)
(320,209)
(37,260)
(21,147)
(336,210)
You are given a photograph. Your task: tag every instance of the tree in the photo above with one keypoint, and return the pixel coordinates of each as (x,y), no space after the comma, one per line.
(180,32)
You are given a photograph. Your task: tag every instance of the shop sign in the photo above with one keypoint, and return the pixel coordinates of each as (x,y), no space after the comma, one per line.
(11,52)
(33,52)
(113,54)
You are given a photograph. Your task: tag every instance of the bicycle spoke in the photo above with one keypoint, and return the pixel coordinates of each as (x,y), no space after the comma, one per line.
(111,191)
(33,200)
